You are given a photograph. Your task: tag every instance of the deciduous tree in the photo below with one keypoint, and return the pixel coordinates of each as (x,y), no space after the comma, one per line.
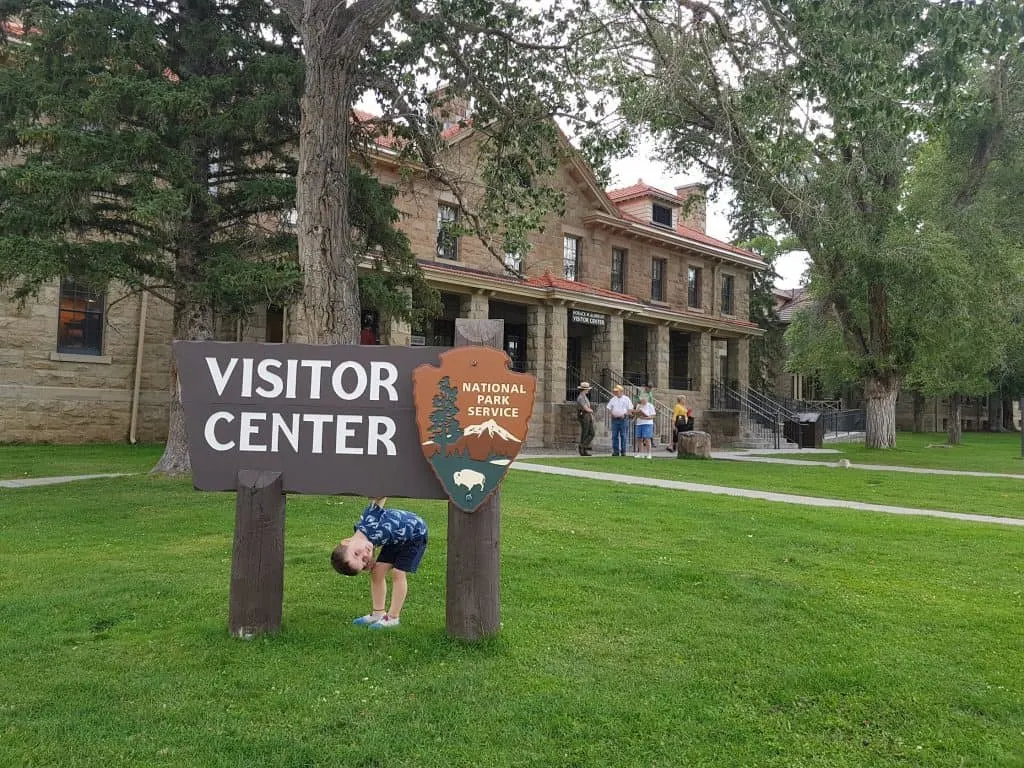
(809,110)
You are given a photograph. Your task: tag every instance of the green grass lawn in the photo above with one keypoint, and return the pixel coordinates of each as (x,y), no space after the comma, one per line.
(21,461)
(979,452)
(642,627)
(970,495)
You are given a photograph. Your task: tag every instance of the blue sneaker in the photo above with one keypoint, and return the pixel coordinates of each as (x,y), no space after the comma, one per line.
(369,619)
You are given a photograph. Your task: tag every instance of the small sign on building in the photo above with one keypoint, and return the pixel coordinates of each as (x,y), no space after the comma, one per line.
(586,317)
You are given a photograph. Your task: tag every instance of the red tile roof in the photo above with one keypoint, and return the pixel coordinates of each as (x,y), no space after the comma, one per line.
(547,280)
(694,234)
(639,190)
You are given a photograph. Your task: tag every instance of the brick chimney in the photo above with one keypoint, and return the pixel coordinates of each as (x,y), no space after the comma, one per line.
(448,110)
(693,212)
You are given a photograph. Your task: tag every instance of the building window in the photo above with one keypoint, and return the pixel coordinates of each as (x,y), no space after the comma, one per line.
(619,270)
(447,239)
(571,247)
(80,319)
(727,294)
(658,279)
(693,287)
(661,215)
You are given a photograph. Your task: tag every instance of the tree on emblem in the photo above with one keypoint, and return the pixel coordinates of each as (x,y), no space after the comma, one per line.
(444,426)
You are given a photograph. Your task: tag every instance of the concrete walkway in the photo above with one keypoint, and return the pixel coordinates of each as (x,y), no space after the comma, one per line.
(785,498)
(739,456)
(31,482)
(653,482)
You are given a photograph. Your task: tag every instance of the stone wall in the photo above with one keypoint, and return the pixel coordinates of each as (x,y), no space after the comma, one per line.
(722,425)
(46,396)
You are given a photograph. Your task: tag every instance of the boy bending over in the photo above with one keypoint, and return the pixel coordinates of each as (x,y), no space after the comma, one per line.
(402,538)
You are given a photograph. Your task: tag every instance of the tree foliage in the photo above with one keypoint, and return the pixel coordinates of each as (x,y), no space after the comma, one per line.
(507,69)
(810,111)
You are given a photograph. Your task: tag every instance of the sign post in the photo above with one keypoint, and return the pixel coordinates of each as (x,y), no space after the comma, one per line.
(472,607)
(257,558)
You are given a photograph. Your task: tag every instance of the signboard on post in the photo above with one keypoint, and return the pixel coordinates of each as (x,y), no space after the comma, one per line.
(472,413)
(267,419)
(330,419)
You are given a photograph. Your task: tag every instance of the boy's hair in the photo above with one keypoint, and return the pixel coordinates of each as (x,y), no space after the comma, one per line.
(340,564)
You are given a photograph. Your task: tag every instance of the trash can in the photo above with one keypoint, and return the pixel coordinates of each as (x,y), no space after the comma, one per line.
(812,430)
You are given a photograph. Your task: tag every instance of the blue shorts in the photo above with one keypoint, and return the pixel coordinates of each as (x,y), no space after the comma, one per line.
(645,430)
(404,557)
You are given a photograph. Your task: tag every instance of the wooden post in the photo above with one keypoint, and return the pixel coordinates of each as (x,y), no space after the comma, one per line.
(472,599)
(257,561)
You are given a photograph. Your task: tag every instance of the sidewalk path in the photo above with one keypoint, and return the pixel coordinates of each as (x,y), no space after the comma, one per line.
(732,456)
(31,482)
(785,498)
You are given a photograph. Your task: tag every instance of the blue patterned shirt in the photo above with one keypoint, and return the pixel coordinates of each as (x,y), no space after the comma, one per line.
(382,525)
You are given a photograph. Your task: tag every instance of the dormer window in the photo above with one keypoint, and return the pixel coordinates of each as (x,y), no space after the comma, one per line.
(661,215)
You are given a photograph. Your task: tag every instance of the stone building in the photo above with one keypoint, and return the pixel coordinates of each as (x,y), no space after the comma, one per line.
(625,285)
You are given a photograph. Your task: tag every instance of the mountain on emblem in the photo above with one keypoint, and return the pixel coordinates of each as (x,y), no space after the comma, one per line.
(472,413)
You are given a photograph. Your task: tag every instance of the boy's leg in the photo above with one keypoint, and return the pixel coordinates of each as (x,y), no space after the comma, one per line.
(379,587)
(399,589)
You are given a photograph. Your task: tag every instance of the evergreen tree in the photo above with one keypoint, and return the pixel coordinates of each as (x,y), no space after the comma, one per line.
(156,147)
(444,422)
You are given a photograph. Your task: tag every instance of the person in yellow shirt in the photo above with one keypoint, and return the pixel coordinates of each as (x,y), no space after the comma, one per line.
(681,416)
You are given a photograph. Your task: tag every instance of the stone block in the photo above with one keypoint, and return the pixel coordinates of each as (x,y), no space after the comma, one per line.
(694,445)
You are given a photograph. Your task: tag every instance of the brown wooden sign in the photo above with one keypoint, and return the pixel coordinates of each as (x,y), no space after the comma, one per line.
(331,419)
(472,413)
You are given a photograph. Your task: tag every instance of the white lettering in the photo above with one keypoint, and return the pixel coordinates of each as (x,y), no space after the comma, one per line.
(317,420)
(265,375)
(279,426)
(382,430)
(314,383)
(293,374)
(211,425)
(248,430)
(378,381)
(336,382)
(343,432)
(246,377)
(220,379)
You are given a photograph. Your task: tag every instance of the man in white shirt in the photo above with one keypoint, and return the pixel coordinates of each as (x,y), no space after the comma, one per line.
(619,407)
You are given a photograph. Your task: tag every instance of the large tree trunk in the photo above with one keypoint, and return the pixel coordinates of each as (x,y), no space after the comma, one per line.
(880,395)
(192,322)
(954,430)
(329,310)
(918,412)
(995,413)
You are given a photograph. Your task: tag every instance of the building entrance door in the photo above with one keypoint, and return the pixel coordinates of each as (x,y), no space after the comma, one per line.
(573,363)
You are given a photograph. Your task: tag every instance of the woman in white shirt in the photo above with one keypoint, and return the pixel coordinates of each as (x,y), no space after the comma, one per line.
(644,413)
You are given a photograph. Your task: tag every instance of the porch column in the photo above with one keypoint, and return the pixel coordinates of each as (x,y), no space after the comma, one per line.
(556,329)
(536,364)
(657,356)
(743,362)
(608,346)
(737,364)
(475,306)
(703,375)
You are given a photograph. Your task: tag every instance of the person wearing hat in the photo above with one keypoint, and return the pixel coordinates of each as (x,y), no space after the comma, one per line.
(585,414)
(619,407)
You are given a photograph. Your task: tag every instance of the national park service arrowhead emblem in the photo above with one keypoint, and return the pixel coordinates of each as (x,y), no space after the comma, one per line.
(472,413)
